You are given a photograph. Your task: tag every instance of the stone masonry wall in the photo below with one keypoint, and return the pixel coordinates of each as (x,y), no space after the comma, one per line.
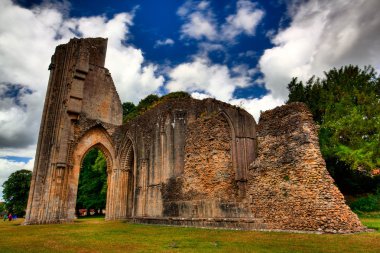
(79,88)
(208,171)
(184,158)
(289,185)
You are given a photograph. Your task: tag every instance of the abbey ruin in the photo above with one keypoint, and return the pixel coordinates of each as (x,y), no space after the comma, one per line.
(184,162)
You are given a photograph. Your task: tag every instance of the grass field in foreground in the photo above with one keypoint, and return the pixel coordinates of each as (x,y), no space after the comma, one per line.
(97,235)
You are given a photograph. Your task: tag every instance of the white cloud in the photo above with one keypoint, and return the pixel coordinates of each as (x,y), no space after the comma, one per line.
(203,79)
(252,105)
(8,167)
(201,23)
(28,151)
(28,38)
(323,34)
(200,95)
(248,54)
(257,105)
(205,48)
(200,75)
(245,20)
(166,42)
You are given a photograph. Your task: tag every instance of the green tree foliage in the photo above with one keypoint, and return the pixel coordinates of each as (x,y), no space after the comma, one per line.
(128,107)
(92,187)
(2,207)
(368,203)
(175,95)
(130,111)
(346,104)
(16,190)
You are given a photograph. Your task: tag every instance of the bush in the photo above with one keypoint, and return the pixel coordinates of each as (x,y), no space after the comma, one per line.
(130,111)
(175,95)
(369,203)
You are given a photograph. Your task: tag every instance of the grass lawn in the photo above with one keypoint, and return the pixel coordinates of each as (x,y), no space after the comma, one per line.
(97,235)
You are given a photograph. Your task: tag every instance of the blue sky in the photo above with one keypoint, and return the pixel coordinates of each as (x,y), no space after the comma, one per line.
(242,52)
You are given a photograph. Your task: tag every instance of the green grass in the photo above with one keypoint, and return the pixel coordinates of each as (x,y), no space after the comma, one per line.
(97,235)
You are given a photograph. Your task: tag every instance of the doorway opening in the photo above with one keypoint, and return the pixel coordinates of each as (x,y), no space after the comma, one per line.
(92,185)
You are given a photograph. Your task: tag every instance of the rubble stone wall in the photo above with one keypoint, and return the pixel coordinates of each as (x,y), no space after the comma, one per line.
(184,159)
(208,171)
(289,185)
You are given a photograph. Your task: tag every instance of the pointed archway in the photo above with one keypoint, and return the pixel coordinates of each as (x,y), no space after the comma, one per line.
(94,138)
(127,168)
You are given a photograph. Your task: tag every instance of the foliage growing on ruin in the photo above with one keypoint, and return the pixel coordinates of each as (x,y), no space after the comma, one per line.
(16,191)
(346,104)
(130,111)
(128,108)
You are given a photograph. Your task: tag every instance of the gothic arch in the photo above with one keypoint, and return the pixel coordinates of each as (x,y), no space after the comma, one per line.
(128,178)
(166,146)
(242,153)
(127,154)
(233,139)
(94,138)
(105,152)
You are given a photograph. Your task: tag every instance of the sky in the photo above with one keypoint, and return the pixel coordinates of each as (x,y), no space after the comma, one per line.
(242,52)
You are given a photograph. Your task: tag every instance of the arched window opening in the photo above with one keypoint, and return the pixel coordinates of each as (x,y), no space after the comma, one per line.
(92,185)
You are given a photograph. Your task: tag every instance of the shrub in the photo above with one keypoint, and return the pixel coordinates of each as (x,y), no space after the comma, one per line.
(369,203)
(177,94)
(130,111)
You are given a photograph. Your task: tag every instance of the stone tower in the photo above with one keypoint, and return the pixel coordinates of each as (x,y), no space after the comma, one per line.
(79,87)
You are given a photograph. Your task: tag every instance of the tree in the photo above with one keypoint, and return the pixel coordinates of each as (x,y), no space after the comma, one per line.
(128,108)
(16,190)
(346,104)
(92,186)
(130,111)
(2,208)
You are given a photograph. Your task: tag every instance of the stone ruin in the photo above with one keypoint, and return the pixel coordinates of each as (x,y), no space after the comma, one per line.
(184,162)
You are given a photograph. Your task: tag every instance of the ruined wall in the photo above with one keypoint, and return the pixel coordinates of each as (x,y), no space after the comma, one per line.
(290,187)
(184,159)
(183,162)
(79,88)
(208,171)
(100,99)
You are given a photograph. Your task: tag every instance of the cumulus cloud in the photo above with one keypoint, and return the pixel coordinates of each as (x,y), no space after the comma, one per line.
(204,79)
(166,42)
(252,105)
(248,54)
(257,105)
(19,108)
(323,34)
(8,167)
(245,20)
(200,75)
(27,41)
(200,21)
